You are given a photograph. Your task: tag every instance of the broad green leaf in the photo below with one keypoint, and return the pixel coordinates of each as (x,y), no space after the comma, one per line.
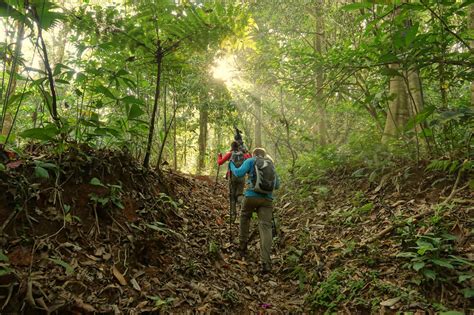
(365,208)
(41,172)
(465,276)
(46,165)
(466,3)
(45,134)
(105,91)
(411,34)
(462,260)
(424,246)
(418,265)
(430,274)
(130,99)
(3,257)
(4,271)
(442,263)
(18,97)
(58,68)
(2,167)
(420,117)
(468,293)
(96,182)
(135,112)
(451,313)
(62,81)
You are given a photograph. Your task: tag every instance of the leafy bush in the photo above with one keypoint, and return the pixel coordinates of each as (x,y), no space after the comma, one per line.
(433,258)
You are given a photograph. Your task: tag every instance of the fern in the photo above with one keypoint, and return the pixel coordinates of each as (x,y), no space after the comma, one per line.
(443,166)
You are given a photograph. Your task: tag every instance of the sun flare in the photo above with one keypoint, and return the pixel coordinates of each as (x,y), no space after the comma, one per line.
(224,69)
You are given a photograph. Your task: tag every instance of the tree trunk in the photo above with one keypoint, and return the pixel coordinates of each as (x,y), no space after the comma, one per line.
(159,61)
(321,123)
(162,154)
(165,137)
(6,118)
(398,109)
(175,149)
(185,144)
(258,122)
(471,43)
(203,118)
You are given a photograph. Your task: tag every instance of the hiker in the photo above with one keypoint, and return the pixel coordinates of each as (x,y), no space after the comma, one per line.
(236,185)
(258,198)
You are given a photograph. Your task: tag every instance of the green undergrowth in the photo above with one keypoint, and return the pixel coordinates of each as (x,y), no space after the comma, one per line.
(341,189)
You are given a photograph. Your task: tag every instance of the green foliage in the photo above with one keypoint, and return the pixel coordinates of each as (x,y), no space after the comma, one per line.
(330,293)
(230,296)
(113,195)
(450,166)
(213,249)
(4,264)
(296,271)
(161,304)
(432,257)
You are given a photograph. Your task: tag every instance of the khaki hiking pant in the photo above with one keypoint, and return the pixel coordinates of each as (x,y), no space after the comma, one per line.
(264,209)
(236,193)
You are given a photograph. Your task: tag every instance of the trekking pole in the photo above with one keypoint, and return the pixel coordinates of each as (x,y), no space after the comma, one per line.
(217,179)
(230,226)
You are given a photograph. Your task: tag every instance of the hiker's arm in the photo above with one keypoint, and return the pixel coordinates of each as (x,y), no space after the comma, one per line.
(222,159)
(242,170)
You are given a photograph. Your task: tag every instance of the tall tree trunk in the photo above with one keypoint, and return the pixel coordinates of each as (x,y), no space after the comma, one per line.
(6,117)
(203,119)
(185,144)
(162,154)
(258,122)
(416,92)
(165,137)
(321,124)
(159,62)
(398,109)
(471,43)
(175,149)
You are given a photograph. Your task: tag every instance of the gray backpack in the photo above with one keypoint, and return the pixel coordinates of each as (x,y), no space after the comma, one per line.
(265,176)
(238,158)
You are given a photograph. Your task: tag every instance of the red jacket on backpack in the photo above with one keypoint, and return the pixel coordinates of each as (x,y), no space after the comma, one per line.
(222,159)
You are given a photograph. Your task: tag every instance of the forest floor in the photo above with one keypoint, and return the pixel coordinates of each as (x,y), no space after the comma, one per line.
(91,231)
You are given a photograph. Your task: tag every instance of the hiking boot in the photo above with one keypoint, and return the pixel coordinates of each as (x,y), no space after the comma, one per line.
(242,254)
(266,269)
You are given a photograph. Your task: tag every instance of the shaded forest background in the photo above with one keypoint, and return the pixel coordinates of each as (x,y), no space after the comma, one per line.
(112,114)
(322,82)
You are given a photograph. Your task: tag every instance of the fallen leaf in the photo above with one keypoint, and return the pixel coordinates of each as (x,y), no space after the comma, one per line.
(135,284)
(119,276)
(390,302)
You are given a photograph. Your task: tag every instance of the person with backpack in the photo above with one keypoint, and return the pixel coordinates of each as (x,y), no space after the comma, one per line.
(236,184)
(262,180)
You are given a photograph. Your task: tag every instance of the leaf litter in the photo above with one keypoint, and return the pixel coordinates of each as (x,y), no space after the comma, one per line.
(170,248)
